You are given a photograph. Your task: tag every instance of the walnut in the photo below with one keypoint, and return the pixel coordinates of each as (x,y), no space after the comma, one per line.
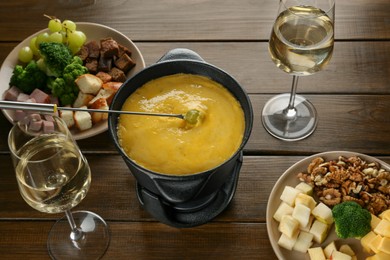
(377,204)
(331,197)
(314,163)
(358,200)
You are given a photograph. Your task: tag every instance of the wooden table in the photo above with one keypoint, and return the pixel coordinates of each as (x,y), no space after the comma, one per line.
(352,96)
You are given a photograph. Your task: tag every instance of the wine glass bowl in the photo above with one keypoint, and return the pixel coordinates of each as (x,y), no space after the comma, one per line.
(301,44)
(54,176)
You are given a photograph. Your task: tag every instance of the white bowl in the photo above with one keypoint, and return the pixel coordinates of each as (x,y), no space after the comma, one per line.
(289,177)
(93,31)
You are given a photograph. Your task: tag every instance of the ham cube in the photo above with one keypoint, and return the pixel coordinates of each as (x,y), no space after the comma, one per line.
(40,96)
(35,125)
(22,97)
(48,126)
(12,94)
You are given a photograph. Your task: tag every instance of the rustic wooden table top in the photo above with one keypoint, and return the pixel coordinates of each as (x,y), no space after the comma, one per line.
(352,97)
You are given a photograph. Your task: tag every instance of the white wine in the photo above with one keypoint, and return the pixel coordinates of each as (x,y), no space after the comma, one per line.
(52,174)
(301,42)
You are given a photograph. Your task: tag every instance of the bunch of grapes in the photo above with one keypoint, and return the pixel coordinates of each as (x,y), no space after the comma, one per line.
(61,32)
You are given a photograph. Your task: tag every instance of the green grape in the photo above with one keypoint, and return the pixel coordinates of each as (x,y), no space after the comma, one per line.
(74,48)
(43,37)
(76,38)
(68,25)
(55,37)
(25,54)
(55,25)
(33,46)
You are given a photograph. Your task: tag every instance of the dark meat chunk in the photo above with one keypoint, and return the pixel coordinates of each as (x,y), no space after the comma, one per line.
(92,65)
(105,77)
(105,64)
(109,48)
(123,49)
(83,53)
(117,75)
(93,49)
(124,63)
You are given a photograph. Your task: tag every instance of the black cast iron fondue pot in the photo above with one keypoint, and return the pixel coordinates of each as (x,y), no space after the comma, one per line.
(189,200)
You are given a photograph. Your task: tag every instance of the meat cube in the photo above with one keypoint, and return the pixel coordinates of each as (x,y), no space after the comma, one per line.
(92,65)
(35,125)
(22,97)
(83,53)
(48,126)
(93,49)
(124,63)
(123,49)
(105,77)
(49,118)
(117,75)
(19,115)
(108,48)
(105,64)
(40,96)
(12,93)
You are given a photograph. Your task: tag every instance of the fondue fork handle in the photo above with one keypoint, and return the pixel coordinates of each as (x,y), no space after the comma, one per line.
(53,108)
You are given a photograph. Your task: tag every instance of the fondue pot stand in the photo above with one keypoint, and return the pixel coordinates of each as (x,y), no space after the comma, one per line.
(189,200)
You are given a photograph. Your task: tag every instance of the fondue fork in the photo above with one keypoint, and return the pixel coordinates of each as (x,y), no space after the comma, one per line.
(53,108)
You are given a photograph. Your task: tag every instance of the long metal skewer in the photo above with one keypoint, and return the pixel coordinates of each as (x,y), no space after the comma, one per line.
(53,108)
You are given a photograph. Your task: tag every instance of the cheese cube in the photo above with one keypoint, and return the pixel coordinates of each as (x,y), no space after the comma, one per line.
(283,209)
(337,255)
(306,200)
(287,242)
(328,250)
(289,194)
(323,213)
(319,230)
(374,243)
(383,228)
(316,253)
(374,221)
(366,240)
(304,242)
(305,188)
(384,245)
(289,226)
(302,214)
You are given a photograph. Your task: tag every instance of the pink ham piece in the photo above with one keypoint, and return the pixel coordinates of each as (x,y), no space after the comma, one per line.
(19,115)
(12,94)
(48,126)
(40,96)
(22,97)
(35,125)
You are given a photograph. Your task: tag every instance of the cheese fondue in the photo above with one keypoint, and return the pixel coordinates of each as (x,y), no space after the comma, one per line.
(170,145)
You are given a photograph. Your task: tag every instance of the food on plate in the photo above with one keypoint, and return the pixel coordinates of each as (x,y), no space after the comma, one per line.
(349,179)
(351,220)
(345,252)
(52,62)
(301,220)
(377,241)
(167,145)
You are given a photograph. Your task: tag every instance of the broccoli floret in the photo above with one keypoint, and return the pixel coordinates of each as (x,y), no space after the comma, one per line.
(351,220)
(65,93)
(28,78)
(72,71)
(56,56)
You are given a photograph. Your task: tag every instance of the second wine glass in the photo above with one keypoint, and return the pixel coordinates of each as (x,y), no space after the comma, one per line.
(301,44)
(54,176)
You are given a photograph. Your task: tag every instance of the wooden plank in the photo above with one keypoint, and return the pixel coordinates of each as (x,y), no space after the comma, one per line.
(112,193)
(149,240)
(190,20)
(357,67)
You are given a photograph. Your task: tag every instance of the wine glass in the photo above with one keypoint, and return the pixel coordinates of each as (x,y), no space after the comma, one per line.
(301,44)
(53,176)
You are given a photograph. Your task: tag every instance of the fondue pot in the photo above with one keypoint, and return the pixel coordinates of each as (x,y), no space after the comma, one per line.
(185,200)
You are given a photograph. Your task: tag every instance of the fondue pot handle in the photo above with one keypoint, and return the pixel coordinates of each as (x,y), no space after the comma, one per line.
(180,54)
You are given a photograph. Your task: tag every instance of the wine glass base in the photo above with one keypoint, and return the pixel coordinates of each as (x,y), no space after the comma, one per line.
(92,245)
(289,128)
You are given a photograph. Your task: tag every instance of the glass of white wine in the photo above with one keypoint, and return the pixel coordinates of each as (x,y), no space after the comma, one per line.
(54,176)
(301,44)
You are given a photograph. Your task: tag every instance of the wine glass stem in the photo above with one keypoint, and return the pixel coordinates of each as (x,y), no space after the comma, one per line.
(76,233)
(290,112)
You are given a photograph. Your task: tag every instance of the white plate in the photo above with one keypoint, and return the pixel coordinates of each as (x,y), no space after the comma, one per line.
(289,177)
(93,31)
